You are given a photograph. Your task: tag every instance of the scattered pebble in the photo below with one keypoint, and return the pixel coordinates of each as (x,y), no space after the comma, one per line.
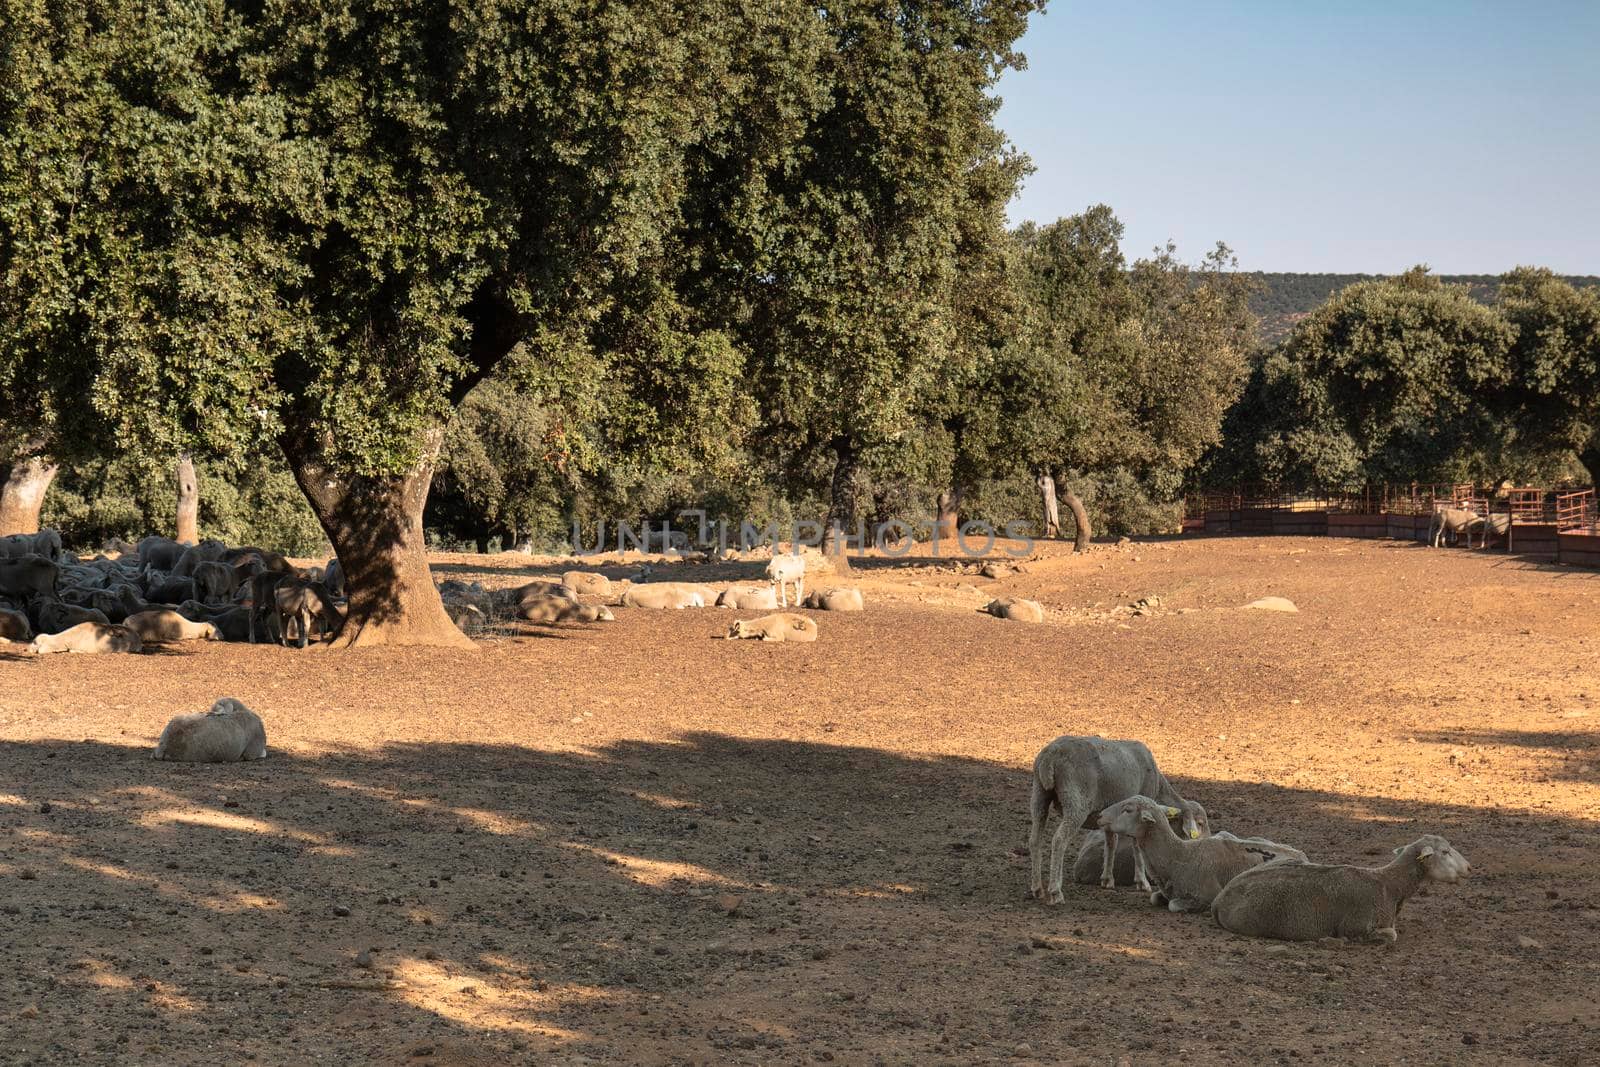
(341,910)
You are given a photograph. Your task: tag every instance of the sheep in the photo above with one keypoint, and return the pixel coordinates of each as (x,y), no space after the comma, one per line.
(550,609)
(1306,901)
(1454,520)
(46,543)
(783,570)
(749,598)
(217,581)
(333,577)
(228,733)
(1092,855)
(159,553)
(837,599)
(587,582)
(297,600)
(262,587)
(28,576)
(87,637)
(536,588)
(1189,874)
(781,626)
(54,616)
(172,590)
(118,546)
(469,618)
(14,626)
(663,596)
(162,626)
(233,624)
(1015,609)
(1080,776)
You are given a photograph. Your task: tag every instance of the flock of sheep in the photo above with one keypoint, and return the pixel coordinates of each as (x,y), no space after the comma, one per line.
(1250,884)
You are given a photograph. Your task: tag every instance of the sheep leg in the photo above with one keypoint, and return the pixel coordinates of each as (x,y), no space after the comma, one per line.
(799,589)
(1039,809)
(303,621)
(1108,863)
(1141,873)
(1072,817)
(1186,904)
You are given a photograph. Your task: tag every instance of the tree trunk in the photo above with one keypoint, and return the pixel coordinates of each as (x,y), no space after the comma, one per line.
(188,502)
(1080,519)
(841,503)
(22,494)
(375,525)
(947,524)
(1052,513)
(1589,456)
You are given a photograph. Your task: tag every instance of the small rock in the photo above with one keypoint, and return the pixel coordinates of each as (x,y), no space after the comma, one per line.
(729,903)
(1273,603)
(1524,941)
(27,874)
(1469,1039)
(364,959)
(1022,1049)
(1278,950)
(30,1012)
(1551,894)
(341,910)
(46,808)
(1041,942)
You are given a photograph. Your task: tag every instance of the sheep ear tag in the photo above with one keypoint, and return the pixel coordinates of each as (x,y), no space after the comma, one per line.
(1173,813)
(1195,833)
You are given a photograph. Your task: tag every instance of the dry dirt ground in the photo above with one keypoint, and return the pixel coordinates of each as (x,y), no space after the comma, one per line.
(634,843)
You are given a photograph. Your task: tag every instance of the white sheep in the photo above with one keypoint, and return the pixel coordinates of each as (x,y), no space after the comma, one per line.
(228,733)
(550,609)
(1015,609)
(837,599)
(1079,777)
(161,625)
(1188,873)
(87,637)
(781,626)
(1306,901)
(749,598)
(1090,866)
(664,596)
(783,570)
(587,582)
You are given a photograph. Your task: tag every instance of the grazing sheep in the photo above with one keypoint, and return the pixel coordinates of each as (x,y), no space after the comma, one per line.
(1188,874)
(1080,777)
(783,570)
(1092,855)
(28,576)
(228,733)
(749,598)
(1017,610)
(87,637)
(587,582)
(46,543)
(782,626)
(1455,521)
(54,616)
(548,609)
(664,596)
(14,626)
(1306,901)
(838,599)
(162,626)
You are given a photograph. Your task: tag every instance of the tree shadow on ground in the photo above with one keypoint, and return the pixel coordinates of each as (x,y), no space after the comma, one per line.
(1566,755)
(707,899)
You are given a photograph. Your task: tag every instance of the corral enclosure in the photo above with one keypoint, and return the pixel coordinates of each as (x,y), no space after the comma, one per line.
(634,843)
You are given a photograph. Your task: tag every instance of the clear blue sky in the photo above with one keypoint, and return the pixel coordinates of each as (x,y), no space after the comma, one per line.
(1360,135)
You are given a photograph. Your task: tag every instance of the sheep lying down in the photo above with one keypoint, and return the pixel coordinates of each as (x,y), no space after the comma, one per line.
(1188,874)
(780,626)
(228,733)
(1307,901)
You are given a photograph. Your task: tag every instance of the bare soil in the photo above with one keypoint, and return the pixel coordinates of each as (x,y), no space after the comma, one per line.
(635,843)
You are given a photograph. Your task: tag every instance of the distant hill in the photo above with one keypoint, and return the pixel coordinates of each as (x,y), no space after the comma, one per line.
(1285,299)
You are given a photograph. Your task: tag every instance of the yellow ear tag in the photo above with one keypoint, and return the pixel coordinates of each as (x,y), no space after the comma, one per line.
(1194,833)
(1173,813)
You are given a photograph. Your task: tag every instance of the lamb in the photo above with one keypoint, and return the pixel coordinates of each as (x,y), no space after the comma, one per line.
(1080,776)
(781,626)
(297,600)
(1306,901)
(663,596)
(28,576)
(1456,521)
(749,598)
(14,626)
(783,570)
(1017,610)
(550,609)
(228,733)
(837,599)
(1189,874)
(587,582)
(86,638)
(162,626)
(1092,855)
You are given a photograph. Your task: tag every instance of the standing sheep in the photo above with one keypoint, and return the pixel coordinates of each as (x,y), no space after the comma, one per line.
(1188,874)
(786,569)
(228,733)
(1306,901)
(1079,777)
(1455,521)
